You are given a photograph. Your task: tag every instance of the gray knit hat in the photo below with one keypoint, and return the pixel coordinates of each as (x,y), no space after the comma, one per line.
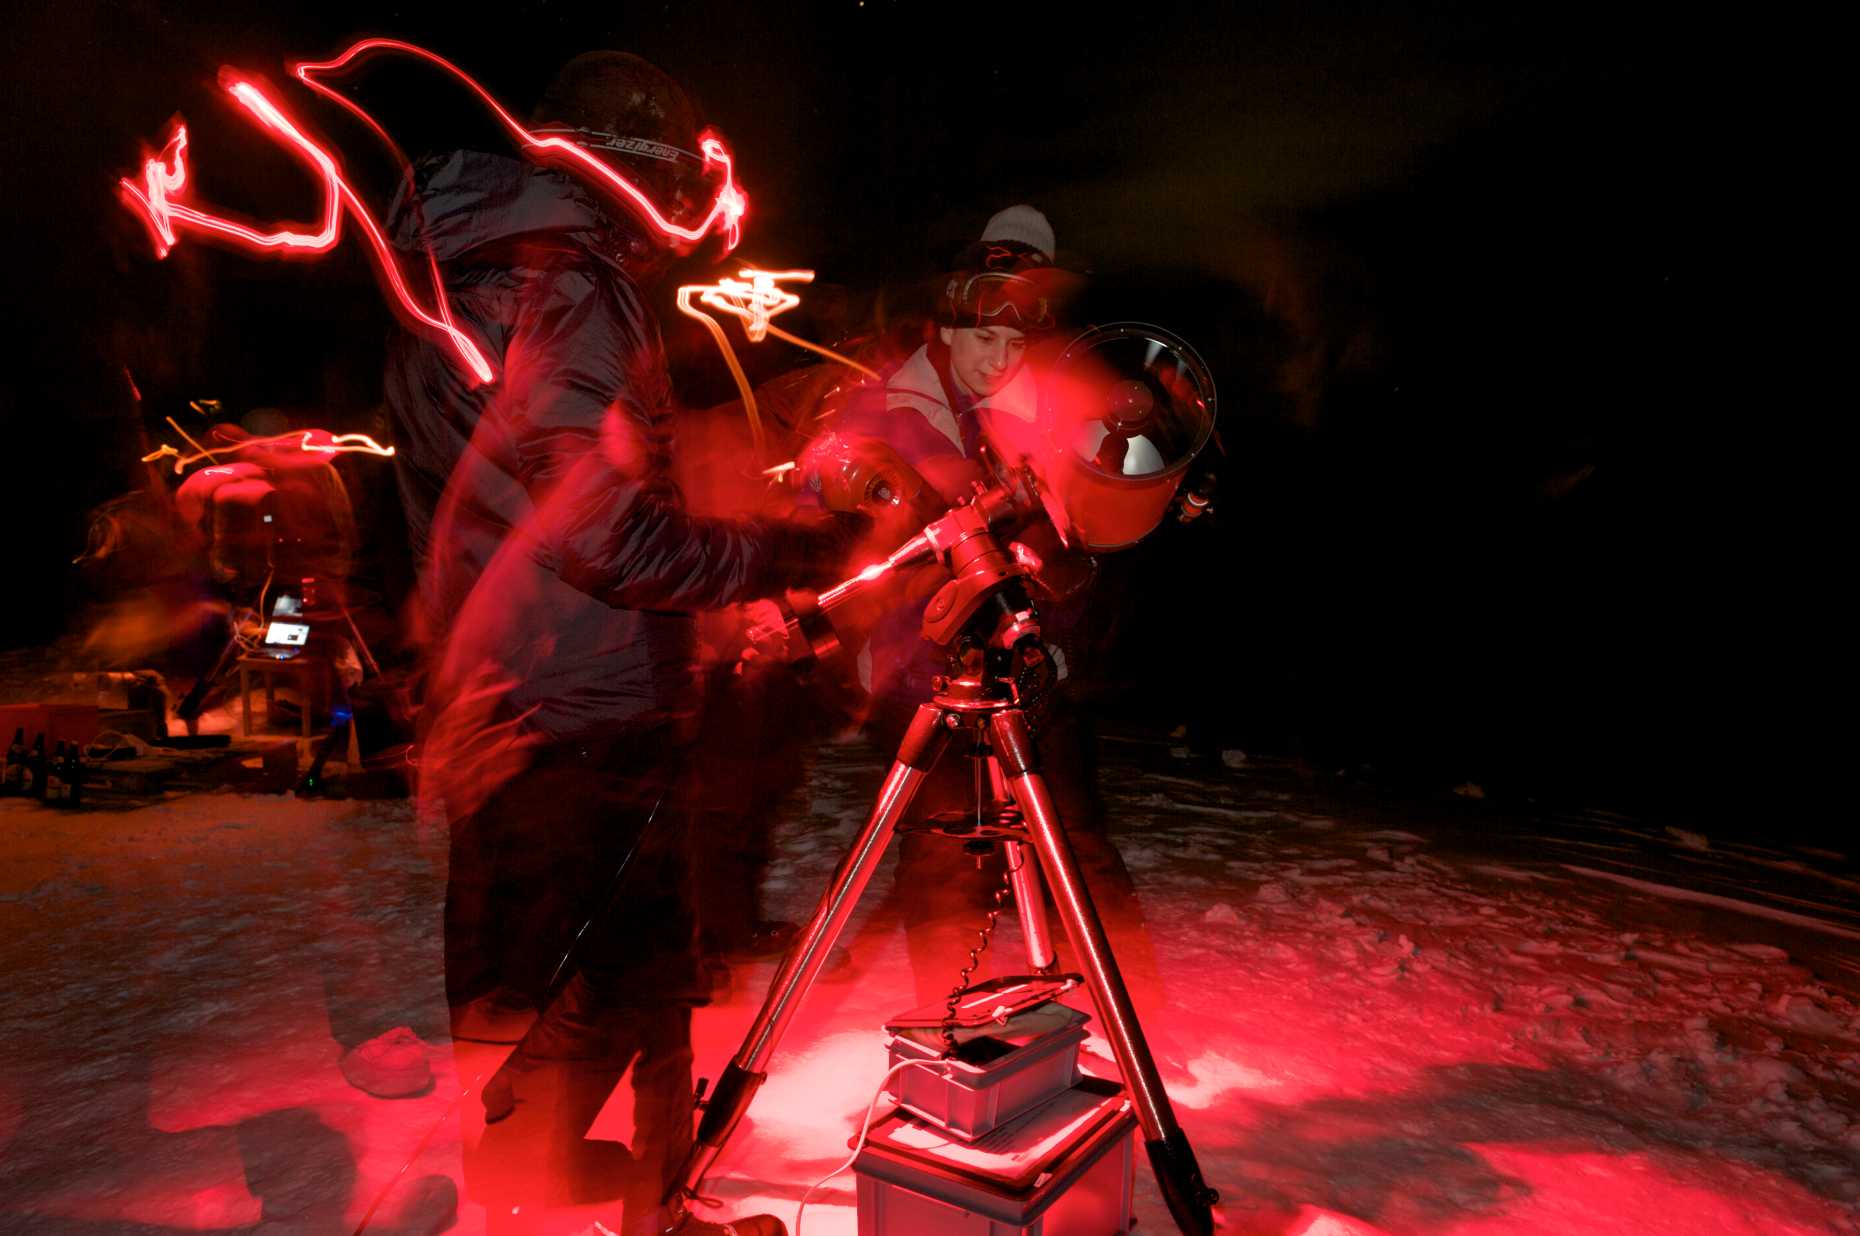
(1007,278)
(1023,225)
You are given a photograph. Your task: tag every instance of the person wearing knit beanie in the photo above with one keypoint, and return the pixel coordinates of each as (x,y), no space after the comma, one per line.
(1005,289)
(964,402)
(1022,224)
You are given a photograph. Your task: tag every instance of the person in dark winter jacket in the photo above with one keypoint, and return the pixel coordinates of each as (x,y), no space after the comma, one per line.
(560,573)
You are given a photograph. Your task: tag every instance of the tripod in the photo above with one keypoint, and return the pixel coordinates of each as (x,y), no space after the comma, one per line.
(1000,670)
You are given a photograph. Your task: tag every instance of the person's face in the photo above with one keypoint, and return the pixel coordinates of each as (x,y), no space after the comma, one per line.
(984,359)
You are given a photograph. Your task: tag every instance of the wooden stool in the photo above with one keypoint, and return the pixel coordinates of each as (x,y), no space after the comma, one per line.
(312,685)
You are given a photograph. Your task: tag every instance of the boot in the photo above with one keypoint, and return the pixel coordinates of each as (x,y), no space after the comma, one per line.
(503,1016)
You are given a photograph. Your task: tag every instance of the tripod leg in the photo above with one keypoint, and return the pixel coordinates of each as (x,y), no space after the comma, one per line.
(1024,878)
(747,1070)
(1030,901)
(361,645)
(1190,1199)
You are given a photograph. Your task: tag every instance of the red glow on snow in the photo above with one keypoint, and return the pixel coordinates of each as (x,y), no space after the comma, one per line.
(311,441)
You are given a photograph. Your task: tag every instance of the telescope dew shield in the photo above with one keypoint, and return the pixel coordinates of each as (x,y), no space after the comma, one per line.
(1127,408)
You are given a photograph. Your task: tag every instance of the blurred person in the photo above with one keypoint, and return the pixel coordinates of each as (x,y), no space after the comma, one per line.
(560,575)
(275,520)
(272,514)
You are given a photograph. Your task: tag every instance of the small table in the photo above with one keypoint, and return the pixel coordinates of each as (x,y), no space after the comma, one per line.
(312,684)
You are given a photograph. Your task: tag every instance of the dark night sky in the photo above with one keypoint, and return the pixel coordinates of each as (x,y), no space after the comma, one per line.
(1451,265)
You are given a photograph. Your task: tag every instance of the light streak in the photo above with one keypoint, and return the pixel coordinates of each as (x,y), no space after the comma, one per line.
(727,209)
(175,425)
(164,180)
(753,297)
(829,353)
(313,441)
(729,358)
(158,199)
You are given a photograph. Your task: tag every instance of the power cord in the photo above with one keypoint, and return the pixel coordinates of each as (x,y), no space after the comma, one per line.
(865,1129)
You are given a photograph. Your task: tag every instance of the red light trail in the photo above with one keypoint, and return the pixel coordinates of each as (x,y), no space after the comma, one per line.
(165,178)
(726,210)
(157,200)
(313,441)
(754,298)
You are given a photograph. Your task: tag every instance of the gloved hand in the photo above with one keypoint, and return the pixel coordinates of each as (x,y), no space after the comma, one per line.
(764,634)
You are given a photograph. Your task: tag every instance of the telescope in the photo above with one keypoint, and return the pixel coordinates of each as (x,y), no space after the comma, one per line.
(1126,413)
(1129,408)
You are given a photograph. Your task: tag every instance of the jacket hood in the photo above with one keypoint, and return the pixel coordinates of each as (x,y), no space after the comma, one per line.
(470,200)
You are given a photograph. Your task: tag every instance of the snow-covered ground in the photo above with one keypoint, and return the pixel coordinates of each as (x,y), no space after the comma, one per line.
(1376,1015)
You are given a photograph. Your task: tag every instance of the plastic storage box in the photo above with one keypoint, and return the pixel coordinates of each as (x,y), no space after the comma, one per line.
(1064,1169)
(998,1073)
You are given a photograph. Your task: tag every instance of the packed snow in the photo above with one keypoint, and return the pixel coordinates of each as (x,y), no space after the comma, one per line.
(1376,1014)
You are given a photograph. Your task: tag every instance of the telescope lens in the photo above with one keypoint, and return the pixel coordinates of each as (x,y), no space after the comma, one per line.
(1129,407)
(1154,409)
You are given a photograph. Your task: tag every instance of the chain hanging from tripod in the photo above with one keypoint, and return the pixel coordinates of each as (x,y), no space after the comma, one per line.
(983,937)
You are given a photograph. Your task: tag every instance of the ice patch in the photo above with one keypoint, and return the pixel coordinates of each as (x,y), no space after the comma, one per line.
(1323,1223)
(1215,1075)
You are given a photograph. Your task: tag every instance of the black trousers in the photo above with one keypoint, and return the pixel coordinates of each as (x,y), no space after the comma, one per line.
(586,854)
(592,840)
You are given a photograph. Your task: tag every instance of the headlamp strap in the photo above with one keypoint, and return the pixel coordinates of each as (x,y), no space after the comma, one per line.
(639,147)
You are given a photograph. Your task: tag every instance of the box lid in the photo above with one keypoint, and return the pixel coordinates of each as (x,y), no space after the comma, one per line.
(1016,1161)
(992,1002)
(1026,1037)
